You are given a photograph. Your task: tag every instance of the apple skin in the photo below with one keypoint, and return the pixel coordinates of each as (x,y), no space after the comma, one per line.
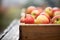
(40,9)
(29,19)
(56,13)
(55,9)
(22,20)
(49,11)
(44,13)
(41,19)
(30,9)
(35,13)
(54,19)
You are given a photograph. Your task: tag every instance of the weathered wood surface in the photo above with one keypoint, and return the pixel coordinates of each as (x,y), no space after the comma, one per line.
(40,25)
(6,30)
(40,32)
(12,32)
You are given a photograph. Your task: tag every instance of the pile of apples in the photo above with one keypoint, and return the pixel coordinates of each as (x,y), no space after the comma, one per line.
(39,15)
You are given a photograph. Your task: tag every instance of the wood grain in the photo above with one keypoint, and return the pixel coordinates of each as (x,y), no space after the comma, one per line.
(40,31)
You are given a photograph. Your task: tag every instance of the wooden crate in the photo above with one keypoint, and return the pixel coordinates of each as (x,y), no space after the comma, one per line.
(39,31)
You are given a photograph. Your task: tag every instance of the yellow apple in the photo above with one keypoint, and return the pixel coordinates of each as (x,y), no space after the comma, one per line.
(49,11)
(41,19)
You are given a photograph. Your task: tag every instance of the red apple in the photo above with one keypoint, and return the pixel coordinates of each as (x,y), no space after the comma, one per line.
(49,11)
(55,9)
(56,20)
(35,13)
(41,19)
(29,19)
(56,13)
(22,20)
(40,9)
(30,9)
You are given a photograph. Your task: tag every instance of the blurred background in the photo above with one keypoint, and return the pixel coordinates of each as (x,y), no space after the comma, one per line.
(11,9)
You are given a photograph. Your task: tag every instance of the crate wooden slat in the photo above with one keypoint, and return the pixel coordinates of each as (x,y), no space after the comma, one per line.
(39,31)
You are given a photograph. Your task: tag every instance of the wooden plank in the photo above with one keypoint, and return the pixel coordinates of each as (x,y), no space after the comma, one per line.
(2,34)
(40,31)
(43,25)
(13,34)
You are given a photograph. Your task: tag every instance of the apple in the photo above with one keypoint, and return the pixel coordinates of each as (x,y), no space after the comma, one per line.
(44,13)
(55,9)
(35,13)
(29,19)
(30,9)
(22,20)
(56,20)
(56,13)
(40,9)
(41,19)
(49,11)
